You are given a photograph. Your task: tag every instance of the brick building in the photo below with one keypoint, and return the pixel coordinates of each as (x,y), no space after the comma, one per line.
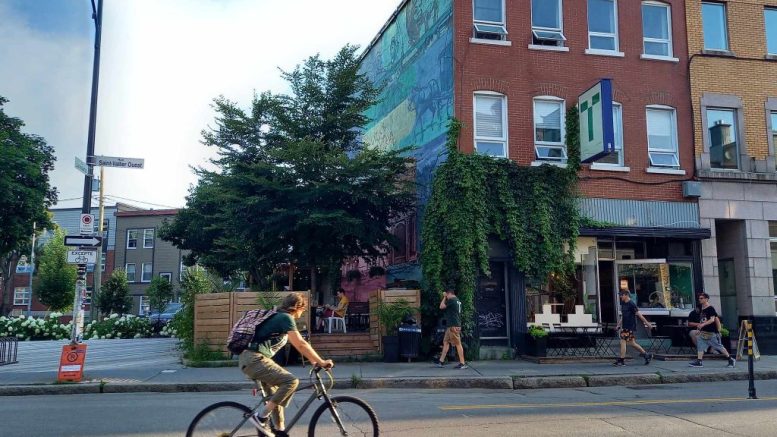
(509,71)
(733,67)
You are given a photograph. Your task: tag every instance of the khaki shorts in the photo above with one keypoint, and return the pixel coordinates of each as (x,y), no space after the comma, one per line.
(275,379)
(453,336)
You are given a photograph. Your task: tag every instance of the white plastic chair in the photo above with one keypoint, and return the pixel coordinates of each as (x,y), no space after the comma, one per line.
(337,321)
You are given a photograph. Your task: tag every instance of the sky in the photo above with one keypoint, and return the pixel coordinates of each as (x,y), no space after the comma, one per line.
(162,64)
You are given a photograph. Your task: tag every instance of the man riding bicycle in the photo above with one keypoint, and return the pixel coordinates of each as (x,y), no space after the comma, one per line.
(256,361)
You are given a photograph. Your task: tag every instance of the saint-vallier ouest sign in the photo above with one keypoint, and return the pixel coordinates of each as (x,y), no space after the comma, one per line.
(115,161)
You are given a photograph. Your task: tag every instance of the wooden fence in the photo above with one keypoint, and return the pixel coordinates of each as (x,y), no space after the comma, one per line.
(216,313)
(412,297)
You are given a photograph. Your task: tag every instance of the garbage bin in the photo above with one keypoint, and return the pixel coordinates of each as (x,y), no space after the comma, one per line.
(409,341)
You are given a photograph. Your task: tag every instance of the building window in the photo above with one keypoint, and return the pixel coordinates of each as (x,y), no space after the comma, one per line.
(130,270)
(168,276)
(549,129)
(773,247)
(713,16)
(603,25)
(489,19)
(491,125)
(132,239)
(773,117)
(770,20)
(21,295)
(657,29)
(146,272)
(400,252)
(148,238)
(722,131)
(662,137)
(144,306)
(547,23)
(616,158)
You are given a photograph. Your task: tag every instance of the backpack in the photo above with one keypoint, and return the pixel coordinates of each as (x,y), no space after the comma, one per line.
(245,328)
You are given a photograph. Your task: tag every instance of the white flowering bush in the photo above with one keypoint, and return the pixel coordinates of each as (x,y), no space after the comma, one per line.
(34,328)
(168,331)
(115,326)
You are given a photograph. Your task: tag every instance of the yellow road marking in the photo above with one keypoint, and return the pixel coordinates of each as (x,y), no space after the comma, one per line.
(601,404)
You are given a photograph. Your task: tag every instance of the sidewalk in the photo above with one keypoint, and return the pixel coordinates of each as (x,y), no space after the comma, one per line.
(137,371)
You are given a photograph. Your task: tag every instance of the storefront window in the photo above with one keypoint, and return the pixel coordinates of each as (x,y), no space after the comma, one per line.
(657,284)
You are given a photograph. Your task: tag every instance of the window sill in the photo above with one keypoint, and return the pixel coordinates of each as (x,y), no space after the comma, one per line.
(556,163)
(713,52)
(490,42)
(771,57)
(660,170)
(610,167)
(548,48)
(659,58)
(598,52)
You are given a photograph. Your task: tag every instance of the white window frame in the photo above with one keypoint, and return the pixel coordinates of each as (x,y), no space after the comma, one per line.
(559,31)
(549,144)
(490,27)
(146,231)
(143,306)
(614,35)
(670,44)
(504,137)
(134,272)
(22,295)
(725,27)
(772,9)
(676,152)
(129,239)
(143,272)
(167,275)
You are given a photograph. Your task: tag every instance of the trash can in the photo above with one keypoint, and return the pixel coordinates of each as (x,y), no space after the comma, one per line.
(409,341)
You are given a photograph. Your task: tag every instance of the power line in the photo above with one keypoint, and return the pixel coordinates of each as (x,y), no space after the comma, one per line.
(114,197)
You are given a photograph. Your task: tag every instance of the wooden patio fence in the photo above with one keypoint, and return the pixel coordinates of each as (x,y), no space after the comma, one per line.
(216,313)
(413,298)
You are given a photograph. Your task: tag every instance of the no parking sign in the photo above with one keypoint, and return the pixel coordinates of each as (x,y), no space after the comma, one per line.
(71,363)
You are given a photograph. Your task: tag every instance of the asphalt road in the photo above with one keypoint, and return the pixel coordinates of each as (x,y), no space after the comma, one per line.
(667,410)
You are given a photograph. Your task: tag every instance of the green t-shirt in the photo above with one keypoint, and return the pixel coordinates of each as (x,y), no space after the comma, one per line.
(271,335)
(453,312)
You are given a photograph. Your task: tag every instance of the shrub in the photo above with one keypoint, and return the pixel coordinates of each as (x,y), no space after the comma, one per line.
(537,332)
(32,328)
(115,326)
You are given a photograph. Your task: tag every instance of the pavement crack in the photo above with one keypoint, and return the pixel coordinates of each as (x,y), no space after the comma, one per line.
(616,426)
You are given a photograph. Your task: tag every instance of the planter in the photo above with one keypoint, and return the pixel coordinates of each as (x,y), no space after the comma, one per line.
(537,347)
(390,348)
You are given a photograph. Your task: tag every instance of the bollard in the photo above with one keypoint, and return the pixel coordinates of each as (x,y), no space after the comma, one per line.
(751,376)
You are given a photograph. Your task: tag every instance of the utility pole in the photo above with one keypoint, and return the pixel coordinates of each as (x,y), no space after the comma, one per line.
(98,271)
(32,265)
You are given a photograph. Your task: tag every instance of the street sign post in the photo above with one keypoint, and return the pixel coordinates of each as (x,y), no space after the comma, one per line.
(597,132)
(81,166)
(117,161)
(79,240)
(82,257)
(87,224)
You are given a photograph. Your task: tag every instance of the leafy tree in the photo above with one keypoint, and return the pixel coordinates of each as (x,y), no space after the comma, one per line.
(294,183)
(160,293)
(56,278)
(194,281)
(114,295)
(25,194)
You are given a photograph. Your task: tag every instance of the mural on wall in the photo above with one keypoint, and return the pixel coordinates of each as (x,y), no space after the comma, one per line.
(413,61)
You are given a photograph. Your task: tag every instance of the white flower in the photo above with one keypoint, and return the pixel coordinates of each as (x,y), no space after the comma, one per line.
(22,317)
(137,335)
(113,316)
(108,335)
(37,331)
(10,329)
(19,336)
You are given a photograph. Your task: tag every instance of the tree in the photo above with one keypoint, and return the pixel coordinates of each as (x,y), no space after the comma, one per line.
(294,182)
(114,295)
(195,280)
(56,278)
(160,293)
(25,194)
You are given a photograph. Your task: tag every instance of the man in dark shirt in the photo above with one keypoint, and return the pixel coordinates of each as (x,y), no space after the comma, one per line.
(694,319)
(708,335)
(452,307)
(628,328)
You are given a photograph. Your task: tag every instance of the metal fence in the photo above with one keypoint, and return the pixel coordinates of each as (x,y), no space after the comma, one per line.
(8,350)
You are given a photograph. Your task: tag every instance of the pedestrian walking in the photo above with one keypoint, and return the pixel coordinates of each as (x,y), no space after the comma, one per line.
(709,333)
(694,319)
(452,307)
(628,328)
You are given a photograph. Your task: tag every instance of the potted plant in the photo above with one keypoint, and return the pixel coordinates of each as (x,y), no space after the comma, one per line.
(537,339)
(390,316)
(728,342)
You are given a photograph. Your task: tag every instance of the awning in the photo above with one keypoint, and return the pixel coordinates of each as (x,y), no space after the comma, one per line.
(647,232)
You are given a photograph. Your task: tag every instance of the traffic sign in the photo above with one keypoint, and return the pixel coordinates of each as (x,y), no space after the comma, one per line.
(116,161)
(81,257)
(71,362)
(87,224)
(79,240)
(81,166)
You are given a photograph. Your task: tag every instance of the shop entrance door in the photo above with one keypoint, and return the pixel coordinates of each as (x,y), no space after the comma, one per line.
(728,293)
(491,303)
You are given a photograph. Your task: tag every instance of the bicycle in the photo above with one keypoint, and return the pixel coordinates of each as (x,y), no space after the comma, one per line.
(348,416)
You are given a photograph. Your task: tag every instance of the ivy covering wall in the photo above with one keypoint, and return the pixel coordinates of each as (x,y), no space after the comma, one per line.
(474,197)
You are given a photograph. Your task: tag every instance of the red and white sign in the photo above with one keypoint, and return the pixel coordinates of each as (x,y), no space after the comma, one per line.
(71,362)
(87,224)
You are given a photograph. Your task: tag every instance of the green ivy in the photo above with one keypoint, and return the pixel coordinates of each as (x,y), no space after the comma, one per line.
(474,197)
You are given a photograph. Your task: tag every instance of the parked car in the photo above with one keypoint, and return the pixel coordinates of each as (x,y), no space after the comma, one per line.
(164,317)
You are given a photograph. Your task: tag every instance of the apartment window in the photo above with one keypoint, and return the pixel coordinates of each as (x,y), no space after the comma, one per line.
(770,20)
(549,129)
(656,29)
(146,272)
(489,19)
(167,276)
(615,158)
(148,238)
(773,117)
(547,22)
(491,125)
(132,239)
(662,137)
(713,17)
(130,270)
(21,295)
(722,131)
(603,25)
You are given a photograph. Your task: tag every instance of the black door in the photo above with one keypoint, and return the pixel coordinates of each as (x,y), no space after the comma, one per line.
(491,303)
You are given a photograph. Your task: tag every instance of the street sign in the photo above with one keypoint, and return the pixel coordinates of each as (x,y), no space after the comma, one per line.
(81,166)
(116,161)
(79,240)
(71,362)
(597,133)
(23,267)
(87,224)
(81,257)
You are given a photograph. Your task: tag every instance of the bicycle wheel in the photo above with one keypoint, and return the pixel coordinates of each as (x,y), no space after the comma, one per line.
(221,420)
(357,417)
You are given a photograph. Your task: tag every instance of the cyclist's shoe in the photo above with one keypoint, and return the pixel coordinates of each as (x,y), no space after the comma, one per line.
(263,425)
(461,366)
(439,364)
(279,433)
(731,362)
(696,363)
(648,357)
(620,362)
